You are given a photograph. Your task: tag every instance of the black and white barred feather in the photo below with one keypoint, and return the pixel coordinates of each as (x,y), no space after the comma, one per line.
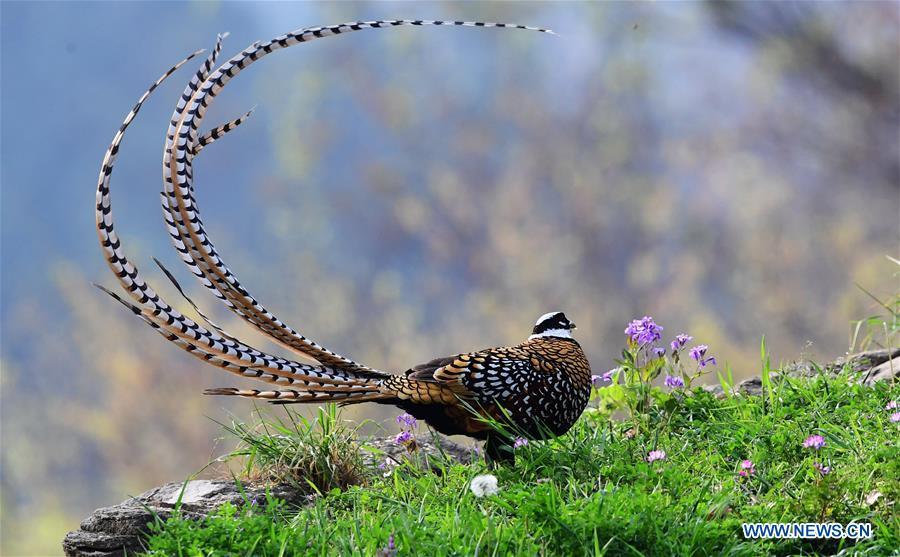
(544,381)
(183,331)
(339,375)
(180,209)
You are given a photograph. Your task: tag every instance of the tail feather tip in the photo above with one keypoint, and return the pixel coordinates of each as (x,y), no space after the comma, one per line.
(224,391)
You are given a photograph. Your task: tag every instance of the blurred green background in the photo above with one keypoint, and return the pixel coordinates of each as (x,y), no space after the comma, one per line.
(731,169)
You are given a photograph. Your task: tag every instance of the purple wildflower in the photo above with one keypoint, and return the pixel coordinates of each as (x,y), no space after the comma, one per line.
(822,469)
(747,468)
(407,420)
(520,442)
(390,550)
(653,456)
(598,380)
(891,405)
(680,341)
(403,438)
(659,351)
(895,417)
(814,441)
(644,331)
(674,382)
(698,353)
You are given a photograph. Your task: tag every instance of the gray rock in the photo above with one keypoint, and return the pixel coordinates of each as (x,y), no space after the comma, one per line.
(113,531)
(883,365)
(750,387)
(121,529)
(868,367)
(431,450)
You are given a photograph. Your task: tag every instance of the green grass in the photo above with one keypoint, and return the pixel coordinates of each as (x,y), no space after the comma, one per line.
(880,330)
(315,455)
(592,492)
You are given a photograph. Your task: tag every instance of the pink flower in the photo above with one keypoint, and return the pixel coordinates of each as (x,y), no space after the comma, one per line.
(814,442)
(747,468)
(822,469)
(895,417)
(891,405)
(653,456)
(520,442)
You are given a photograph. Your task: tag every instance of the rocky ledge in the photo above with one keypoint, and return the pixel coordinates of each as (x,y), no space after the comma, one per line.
(120,530)
(868,367)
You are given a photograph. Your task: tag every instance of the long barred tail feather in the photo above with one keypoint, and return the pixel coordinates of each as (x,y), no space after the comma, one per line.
(183,239)
(179,206)
(293,396)
(242,371)
(205,344)
(178,287)
(191,302)
(216,133)
(338,378)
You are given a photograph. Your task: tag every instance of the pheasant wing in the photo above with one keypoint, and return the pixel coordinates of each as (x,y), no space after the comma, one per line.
(512,377)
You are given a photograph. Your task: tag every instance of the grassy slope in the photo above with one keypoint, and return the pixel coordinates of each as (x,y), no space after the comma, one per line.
(593,493)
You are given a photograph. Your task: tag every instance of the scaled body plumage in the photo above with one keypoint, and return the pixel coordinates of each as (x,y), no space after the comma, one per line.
(545,381)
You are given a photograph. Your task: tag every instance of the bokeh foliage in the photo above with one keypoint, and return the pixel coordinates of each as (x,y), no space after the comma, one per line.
(730,168)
